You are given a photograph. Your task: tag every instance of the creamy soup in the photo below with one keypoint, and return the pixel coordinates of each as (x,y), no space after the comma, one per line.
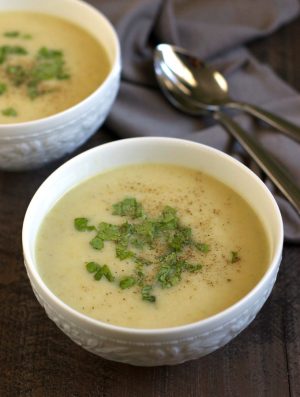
(47,64)
(151,246)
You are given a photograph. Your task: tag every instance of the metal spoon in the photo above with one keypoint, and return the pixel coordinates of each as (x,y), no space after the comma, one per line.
(172,86)
(210,89)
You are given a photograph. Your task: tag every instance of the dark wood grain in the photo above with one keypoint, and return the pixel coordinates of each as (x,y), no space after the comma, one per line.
(38,360)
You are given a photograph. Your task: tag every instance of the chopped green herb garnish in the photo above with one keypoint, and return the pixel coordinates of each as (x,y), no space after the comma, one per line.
(47,64)
(144,234)
(180,238)
(193,268)
(16,34)
(92,267)
(50,64)
(47,53)
(98,275)
(33,89)
(139,267)
(99,271)
(7,50)
(26,36)
(47,70)
(123,253)
(169,216)
(97,243)
(234,257)
(127,282)
(3,88)
(108,232)
(9,112)
(170,270)
(141,261)
(202,247)
(81,224)
(12,34)
(127,230)
(128,207)
(107,273)
(131,238)
(146,294)
(17,74)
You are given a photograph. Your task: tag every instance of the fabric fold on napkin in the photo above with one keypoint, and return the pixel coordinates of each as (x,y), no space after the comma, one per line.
(214,30)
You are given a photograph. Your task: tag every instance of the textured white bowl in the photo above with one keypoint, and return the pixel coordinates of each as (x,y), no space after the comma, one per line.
(156,346)
(31,144)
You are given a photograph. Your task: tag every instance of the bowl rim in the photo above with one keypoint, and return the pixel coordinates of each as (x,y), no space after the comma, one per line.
(175,330)
(14,129)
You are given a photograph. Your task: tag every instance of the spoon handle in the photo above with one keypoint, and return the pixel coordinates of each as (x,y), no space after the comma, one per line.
(290,129)
(275,172)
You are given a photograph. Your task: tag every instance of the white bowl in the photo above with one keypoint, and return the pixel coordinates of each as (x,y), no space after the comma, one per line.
(31,144)
(149,347)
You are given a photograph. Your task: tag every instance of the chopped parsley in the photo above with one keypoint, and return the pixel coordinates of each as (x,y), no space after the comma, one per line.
(131,239)
(92,267)
(99,271)
(171,269)
(180,238)
(127,282)
(107,273)
(123,253)
(97,243)
(108,232)
(16,74)
(81,224)
(7,50)
(13,34)
(146,294)
(140,232)
(128,207)
(202,247)
(47,64)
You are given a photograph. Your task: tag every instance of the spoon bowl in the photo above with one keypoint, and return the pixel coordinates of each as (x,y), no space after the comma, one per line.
(198,80)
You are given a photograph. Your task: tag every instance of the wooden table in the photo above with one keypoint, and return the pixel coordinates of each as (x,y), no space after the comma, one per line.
(37,359)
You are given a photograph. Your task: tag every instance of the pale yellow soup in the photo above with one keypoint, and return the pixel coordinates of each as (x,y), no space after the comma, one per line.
(85,62)
(217,215)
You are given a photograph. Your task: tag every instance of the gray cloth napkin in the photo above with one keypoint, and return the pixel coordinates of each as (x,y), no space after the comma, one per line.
(215,30)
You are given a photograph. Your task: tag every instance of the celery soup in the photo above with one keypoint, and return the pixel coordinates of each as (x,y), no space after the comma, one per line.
(151,246)
(47,65)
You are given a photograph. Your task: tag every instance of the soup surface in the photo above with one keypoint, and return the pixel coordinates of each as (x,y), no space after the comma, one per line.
(47,65)
(151,246)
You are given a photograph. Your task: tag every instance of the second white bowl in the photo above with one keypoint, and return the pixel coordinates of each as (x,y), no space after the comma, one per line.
(31,144)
